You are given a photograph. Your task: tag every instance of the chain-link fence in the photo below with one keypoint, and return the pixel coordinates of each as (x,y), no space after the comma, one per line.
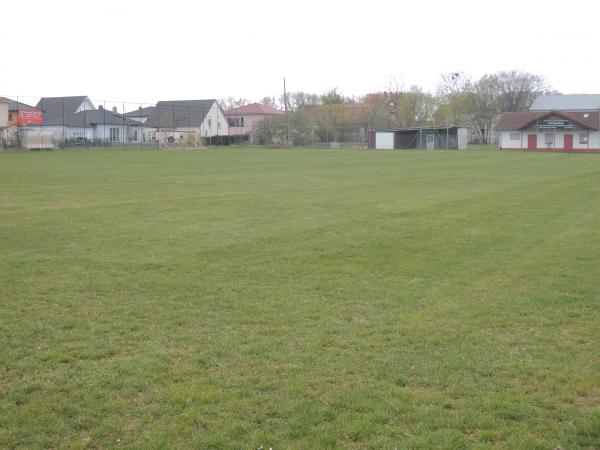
(28,123)
(56,122)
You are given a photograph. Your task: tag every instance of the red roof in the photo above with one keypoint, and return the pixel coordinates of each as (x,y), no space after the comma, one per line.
(254,108)
(354,113)
(519,120)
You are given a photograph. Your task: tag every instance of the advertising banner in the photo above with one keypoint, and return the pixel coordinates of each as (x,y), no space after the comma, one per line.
(30,117)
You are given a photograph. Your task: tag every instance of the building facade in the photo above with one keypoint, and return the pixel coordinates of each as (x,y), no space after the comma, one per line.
(550,131)
(428,138)
(243,119)
(563,123)
(75,120)
(181,122)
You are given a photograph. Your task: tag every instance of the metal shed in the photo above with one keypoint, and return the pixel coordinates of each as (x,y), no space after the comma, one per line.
(430,138)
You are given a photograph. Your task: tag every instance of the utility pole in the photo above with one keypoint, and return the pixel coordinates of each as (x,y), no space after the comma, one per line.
(287,122)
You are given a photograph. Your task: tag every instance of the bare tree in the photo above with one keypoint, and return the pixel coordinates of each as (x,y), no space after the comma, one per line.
(299,100)
(453,83)
(270,101)
(453,99)
(395,86)
(231,102)
(518,89)
(485,104)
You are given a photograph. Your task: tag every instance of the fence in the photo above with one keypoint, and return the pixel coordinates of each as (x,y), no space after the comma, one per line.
(28,122)
(58,122)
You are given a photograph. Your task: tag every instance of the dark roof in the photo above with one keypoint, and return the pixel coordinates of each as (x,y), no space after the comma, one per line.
(88,119)
(179,113)
(141,112)
(520,120)
(424,128)
(14,105)
(51,105)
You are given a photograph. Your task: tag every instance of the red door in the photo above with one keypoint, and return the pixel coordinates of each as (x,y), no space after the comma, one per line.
(568,142)
(532,142)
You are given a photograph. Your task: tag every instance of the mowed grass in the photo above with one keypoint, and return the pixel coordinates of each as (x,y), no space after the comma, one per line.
(238,298)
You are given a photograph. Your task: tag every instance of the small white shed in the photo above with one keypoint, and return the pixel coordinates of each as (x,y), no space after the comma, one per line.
(384,140)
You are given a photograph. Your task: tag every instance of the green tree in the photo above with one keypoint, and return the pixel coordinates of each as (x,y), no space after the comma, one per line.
(332,111)
(272,130)
(414,107)
(378,109)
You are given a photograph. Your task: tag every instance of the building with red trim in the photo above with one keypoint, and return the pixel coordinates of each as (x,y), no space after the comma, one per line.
(562,123)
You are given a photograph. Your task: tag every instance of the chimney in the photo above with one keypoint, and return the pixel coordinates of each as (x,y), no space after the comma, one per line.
(114,110)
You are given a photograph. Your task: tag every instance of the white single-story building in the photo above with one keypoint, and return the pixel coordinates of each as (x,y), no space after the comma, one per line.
(429,138)
(77,120)
(550,131)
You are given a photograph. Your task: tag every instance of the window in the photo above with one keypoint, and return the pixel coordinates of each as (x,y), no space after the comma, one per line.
(114,135)
(233,122)
(583,137)
(549,138)
(209,123)
(10,117)
(515,136)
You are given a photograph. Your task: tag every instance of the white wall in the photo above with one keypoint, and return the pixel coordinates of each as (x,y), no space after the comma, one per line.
(86,105)
(3,114)
(559,139)
(463,138)
(218,123)
(96,132)
(384,140)
(103,133)
(506,142)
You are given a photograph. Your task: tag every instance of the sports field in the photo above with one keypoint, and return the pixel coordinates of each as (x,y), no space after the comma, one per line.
(239,298)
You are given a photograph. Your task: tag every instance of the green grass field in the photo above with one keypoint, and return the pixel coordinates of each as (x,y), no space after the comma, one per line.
(238,298)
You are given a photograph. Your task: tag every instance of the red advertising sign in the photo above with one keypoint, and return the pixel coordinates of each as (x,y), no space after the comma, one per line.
(30,117)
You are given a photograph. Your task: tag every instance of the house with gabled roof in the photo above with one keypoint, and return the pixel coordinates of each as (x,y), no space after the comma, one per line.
(243,119)
(561,122)
(75,119)
(15,109)
(181,121)
(564,131)
(15,117)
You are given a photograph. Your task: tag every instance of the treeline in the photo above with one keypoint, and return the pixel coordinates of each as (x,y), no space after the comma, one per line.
(458,100)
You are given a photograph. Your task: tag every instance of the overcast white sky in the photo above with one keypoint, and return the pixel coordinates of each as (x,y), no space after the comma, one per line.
(144,51)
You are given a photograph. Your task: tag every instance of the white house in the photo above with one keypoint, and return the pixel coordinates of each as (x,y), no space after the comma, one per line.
(569,123)
(565,131)
(76,119)
(181,121)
